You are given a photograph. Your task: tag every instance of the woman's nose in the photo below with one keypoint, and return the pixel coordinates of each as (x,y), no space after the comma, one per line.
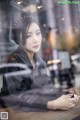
(35,38)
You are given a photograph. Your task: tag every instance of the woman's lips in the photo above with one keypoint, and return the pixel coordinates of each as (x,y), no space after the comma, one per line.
(36,46)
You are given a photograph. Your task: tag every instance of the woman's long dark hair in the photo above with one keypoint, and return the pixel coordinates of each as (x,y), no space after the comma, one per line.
(20,34)
(25,27)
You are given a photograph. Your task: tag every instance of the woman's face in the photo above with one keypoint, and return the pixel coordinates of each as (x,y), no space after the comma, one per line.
(33,38)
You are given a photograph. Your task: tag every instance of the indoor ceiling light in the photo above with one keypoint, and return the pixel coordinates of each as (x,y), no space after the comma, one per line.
(39,7)
(19,2)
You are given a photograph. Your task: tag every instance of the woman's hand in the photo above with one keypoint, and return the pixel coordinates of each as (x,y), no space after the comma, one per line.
(64,102)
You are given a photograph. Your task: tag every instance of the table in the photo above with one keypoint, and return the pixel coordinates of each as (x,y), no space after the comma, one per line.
(50,115)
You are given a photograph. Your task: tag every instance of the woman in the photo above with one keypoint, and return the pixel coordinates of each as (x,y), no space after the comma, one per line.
(33,91)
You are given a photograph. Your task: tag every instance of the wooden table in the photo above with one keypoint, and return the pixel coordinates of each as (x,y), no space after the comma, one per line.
(51,115)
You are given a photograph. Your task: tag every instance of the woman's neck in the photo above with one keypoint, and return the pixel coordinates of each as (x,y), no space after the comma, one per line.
(30,56)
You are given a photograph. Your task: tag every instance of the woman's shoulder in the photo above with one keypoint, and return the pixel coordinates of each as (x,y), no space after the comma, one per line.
(16,56)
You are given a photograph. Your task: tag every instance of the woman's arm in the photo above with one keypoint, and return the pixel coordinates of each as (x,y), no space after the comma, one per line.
(31,101)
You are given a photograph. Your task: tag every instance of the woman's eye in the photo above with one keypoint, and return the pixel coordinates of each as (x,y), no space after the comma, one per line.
(28,36)
(38,33)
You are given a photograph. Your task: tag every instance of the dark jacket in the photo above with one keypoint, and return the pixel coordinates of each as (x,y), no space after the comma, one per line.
(30,89)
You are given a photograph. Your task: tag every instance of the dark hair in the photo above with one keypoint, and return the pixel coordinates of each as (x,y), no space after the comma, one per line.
(19,34)
(26,22)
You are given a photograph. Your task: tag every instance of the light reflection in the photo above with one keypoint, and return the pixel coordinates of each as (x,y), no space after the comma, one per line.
(19,2)
(62,19)
(39,7)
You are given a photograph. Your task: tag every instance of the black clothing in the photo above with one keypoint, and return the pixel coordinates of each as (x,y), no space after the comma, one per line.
(30,89)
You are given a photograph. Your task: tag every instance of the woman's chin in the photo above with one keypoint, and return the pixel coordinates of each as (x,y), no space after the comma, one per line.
(36,50)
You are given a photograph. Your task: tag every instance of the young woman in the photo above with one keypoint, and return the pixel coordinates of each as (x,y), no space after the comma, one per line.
(31,92)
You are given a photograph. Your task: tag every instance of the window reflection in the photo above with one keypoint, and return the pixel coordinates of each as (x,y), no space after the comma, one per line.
(59,30)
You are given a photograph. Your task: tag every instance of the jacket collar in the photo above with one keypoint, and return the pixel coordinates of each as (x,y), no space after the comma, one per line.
(38,61)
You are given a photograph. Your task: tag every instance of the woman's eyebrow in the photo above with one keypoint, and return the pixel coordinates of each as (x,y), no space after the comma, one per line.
(37,30)
(29,33)
(34,31)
